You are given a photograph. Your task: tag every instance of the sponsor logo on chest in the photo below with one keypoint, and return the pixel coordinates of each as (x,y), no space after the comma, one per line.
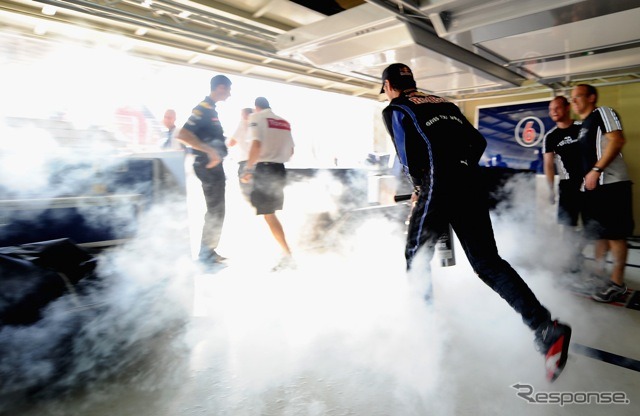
(567,141)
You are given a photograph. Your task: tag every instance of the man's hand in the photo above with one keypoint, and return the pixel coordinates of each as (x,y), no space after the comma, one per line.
(247,174)
(591,180)
(214,159)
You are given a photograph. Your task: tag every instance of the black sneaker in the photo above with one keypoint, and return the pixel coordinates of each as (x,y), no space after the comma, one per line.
(610,292)
(552,339)
(211,261)
(217,258)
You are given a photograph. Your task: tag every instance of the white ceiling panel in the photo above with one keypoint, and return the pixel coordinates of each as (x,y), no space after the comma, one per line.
(330,51)
(432,71)
(364,40)
(586,35)
(286,12)
(589,64)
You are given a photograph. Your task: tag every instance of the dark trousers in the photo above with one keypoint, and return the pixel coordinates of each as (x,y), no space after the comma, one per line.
(213,186)
(461,200)
(570,202)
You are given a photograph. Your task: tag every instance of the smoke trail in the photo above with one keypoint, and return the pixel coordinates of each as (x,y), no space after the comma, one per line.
(124,325)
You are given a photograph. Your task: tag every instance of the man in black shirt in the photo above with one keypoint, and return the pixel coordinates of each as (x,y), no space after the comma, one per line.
(608,197)
(440,151)
(561,148)
(203,132)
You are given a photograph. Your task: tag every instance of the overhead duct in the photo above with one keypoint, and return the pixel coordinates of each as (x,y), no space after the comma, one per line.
(363,40)
(344,35)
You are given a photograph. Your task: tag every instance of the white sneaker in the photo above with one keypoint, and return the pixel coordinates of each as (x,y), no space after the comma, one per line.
(285,263)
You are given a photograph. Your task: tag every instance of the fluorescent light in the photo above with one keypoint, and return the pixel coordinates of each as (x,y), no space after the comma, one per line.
(141,31)
(40,29)
(49,10)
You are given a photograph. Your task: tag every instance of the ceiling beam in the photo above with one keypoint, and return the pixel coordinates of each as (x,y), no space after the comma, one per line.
(424,35)
(266,23)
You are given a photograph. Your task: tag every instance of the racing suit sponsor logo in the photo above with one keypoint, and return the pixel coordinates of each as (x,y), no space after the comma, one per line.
(442,117)
(427,99)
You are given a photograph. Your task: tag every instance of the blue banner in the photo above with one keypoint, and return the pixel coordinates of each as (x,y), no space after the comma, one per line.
(514,134)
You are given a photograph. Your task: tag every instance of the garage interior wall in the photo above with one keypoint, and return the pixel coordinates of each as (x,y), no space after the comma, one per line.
(624,98)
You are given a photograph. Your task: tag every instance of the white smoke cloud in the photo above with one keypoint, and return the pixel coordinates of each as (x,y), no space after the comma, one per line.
(348,332)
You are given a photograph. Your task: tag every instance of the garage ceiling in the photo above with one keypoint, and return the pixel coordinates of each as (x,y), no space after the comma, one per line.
(458,48)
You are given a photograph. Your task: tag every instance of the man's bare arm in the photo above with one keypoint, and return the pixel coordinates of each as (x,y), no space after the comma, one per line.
(614,147)
(550,173)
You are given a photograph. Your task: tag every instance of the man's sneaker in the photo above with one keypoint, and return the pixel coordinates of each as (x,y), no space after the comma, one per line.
(552,339)
(211,257)
(609,293)
(211,261)
(217,257)
(285,263)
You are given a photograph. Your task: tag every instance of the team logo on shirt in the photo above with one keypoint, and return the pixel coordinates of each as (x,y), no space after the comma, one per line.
(567,141)
(529,131)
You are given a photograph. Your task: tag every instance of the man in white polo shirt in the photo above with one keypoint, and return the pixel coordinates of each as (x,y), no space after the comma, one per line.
(272,146)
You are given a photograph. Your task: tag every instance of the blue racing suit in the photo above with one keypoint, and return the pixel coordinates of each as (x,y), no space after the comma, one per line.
(440,151)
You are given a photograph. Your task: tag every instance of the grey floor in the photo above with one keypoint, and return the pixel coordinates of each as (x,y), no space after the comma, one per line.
(348,332)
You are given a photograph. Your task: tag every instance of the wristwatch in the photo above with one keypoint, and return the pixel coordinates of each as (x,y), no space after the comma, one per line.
(597,169)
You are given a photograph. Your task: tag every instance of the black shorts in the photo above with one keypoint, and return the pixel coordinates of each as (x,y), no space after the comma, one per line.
(608,213)
(245,188)
(569,202)
(269,180)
